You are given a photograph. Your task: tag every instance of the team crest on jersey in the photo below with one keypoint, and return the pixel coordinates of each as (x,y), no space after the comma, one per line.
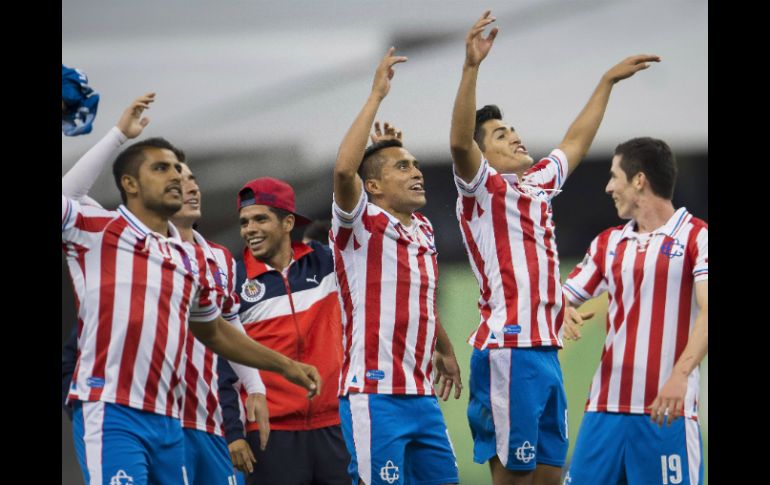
(252,290)
(672,248)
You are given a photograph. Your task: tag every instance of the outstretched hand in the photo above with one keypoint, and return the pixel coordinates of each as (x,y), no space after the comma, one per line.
(385,72)
(131,122)
(630,66)
(476,45)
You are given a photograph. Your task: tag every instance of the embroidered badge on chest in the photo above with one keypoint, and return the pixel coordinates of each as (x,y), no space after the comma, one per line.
(252,291)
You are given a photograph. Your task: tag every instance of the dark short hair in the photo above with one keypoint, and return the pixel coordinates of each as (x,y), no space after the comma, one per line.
(488,112)
(371,165)
(280,213)
(654,158)
(130,159)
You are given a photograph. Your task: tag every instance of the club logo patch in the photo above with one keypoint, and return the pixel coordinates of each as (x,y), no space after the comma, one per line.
(252,291)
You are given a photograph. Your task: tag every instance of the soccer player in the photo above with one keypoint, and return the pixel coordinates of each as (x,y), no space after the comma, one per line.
(136,287)
(385,260)
(517,409)
(289,302)
(655,272)
(207,459)
(206,451)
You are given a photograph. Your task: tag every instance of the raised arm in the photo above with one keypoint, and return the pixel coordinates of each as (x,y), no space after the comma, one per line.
(465,152)
(77,182)
(347,183)
(581,132)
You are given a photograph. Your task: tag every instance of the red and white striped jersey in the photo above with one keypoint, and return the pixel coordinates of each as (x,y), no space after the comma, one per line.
(135,290)
(508,231)
(652,308)
(387,276)
(200,396)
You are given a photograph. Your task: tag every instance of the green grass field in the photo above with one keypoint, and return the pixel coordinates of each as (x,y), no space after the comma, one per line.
(458,294)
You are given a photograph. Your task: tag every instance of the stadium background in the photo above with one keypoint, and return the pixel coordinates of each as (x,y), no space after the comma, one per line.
(249,89)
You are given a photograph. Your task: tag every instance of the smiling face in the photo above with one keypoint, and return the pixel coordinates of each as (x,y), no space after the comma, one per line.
(400,185)
(622,190)
(264,233)
(191,200)
(503,149)
(158,185)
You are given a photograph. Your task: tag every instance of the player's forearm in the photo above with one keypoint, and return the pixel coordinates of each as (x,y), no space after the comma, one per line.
(235,346)
(582,131)
(352,148)
(77,182)
(249,377)
(697,346)
(464,116)
(443,344)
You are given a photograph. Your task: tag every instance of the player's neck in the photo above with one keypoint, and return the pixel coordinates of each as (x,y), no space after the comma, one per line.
(282,258)
(154,221)
(186,232)
(404,218)
(652,213)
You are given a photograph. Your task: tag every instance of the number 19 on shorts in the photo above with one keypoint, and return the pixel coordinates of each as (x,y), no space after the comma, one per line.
(671,467)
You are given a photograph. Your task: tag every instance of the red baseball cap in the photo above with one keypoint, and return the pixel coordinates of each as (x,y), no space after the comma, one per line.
(272,193)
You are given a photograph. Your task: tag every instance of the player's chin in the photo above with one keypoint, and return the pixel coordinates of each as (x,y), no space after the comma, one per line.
(172,205)
(418,200)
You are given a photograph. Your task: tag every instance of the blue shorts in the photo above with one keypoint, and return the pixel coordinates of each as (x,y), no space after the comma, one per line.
(397,439)
(207,459)
(518,409)
(630,448)
(119,444)
(240,478)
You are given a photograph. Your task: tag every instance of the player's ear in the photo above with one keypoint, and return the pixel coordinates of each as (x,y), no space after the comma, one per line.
(130,184)
(288,223)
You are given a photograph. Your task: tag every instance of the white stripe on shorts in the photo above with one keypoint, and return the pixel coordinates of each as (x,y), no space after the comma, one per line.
(93,426)
(362,434)
(692,434)
(500,395)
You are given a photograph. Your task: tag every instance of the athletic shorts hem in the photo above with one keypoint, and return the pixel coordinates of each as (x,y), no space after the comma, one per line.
(560,464)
